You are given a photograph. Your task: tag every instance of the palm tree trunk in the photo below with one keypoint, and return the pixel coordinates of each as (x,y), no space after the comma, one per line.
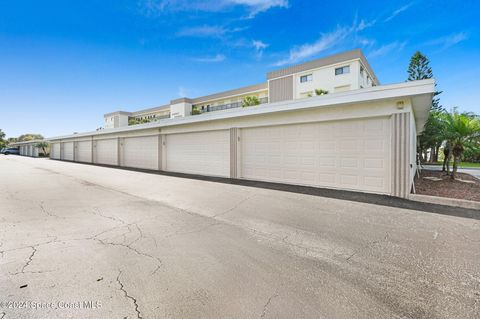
(446,158)
(456,159)
(437,150)
(449,158)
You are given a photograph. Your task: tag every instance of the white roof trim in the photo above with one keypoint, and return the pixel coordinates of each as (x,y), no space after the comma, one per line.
(405,89)
(28,142)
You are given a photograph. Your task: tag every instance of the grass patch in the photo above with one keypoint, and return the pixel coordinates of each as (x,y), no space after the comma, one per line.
(463,165)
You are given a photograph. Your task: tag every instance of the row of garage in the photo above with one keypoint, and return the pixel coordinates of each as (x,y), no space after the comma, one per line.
(28,150)
(350,154)
(361,140)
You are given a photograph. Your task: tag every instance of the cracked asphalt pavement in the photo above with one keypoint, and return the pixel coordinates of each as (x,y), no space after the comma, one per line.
(82,241)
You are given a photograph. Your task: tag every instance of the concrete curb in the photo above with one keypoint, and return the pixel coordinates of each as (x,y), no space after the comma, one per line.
(445,201)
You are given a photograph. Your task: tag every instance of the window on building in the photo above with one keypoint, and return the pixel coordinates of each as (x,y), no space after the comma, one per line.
(342,70)
(306,78)
(361,71)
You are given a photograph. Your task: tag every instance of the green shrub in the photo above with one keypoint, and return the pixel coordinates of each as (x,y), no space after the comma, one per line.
(250,101)
(320,92)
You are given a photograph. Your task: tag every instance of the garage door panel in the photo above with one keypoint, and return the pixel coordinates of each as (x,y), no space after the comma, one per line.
(374,164)
(375,182)
(205,153)
(68,151)
(348,163)
(350,181)
(106,152)
(343,154)
(84,151)
(140,152)
(327,179)
(55,150)
(374,128)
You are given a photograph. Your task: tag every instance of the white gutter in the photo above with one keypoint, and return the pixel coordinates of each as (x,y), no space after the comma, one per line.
(28,142)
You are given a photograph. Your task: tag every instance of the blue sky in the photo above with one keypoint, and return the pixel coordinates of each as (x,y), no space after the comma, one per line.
(63,64)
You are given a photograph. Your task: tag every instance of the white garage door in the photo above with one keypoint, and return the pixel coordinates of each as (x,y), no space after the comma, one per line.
(35,151)
(352,154)
(84,151)
(29,148)
(55,150)
(205,153)
(22,150)
(141,152)
(67,151)
(106,152)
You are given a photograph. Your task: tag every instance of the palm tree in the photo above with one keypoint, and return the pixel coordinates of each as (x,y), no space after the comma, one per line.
(447,156)
(43,146)
(460,128)
(2,141)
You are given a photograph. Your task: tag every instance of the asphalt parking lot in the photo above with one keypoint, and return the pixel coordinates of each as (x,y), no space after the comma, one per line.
(82,241)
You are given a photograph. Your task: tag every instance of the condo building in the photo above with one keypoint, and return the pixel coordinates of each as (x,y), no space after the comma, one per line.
(324,123)
(336,73)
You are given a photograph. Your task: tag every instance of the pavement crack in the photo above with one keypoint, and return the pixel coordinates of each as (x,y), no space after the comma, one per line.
(367,246)
(133,249)
(155,270)
(234,206)
(96,211)
(140,234)
(267,304)
(125,292)
(30,259)
(47,212)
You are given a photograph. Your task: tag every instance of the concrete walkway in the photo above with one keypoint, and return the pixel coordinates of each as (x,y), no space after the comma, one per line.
(82,241)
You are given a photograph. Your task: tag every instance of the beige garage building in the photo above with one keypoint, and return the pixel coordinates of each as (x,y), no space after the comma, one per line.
(360,140)
(30,148)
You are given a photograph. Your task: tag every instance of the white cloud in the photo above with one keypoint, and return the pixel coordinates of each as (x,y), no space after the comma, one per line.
(155,7)
(398,11)
(259,47)
(214,59)
(362,25)
(325,42)
(450,40)
(365,42)
(343,37)
(257,6)
(211,31)
(387,48)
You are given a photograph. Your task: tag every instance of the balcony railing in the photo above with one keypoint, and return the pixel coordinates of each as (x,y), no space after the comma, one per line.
(161,117)
(224,107)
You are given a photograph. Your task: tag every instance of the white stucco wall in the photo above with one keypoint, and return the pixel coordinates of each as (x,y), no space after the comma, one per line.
(181,109)
(324,78)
